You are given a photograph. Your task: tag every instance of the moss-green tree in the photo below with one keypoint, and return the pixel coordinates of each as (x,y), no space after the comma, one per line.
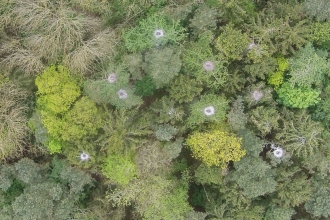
(231,43)
(184,89)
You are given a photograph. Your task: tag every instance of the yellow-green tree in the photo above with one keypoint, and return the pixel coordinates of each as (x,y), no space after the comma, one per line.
(215,147)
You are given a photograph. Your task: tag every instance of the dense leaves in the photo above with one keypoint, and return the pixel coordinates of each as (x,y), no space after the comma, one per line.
(178,109)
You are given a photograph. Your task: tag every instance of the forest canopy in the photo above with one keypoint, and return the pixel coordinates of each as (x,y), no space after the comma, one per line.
(164,109)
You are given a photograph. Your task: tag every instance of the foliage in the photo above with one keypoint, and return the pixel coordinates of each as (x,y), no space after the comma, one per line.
(145,86)
(254,176)
(134,63)
(162,65)
(231,43)
(82,120)
(297,96)
(215,147)
(165,132)
(279,213)
(123,130)
(154,197)
(265,119)
(208,175)
(151,158)
(258,94)
(13,120)
(210,108)
(317,9)
(71,121)
(293,187)
(153,31)
(57,90)
(237,12)
(199,61)
(173,149)
(279,33)
(42,197)
(318,205)
(251,143)
(119,169)
(276,79)
(299,134)
(321,34)
(308,67)
(114,88)
(164,110)
(236,116)
(259,70)
(184,89)
(205,18)
(322,108)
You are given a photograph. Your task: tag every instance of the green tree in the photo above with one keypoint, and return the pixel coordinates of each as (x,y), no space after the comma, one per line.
(119,169)
(210,108)
(279,33)
(231,43)
(145,86)
(293,187)
(321,34)
(318,205)
(165,110)
(279,213)
(199,61)
(162,65)
(57,90)
(299,134)
(165,132)
(66,117)
(265,119)
(82,120)
(155,197)
(48,193)
(153,31)
(123,130)
(184,89)
(205,18)
(254,176)
(215,147)
(308,67)
(236,117)
(114,88)
(297,96)
(317,9)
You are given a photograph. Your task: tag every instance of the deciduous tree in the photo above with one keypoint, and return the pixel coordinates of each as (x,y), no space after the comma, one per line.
(215,147)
